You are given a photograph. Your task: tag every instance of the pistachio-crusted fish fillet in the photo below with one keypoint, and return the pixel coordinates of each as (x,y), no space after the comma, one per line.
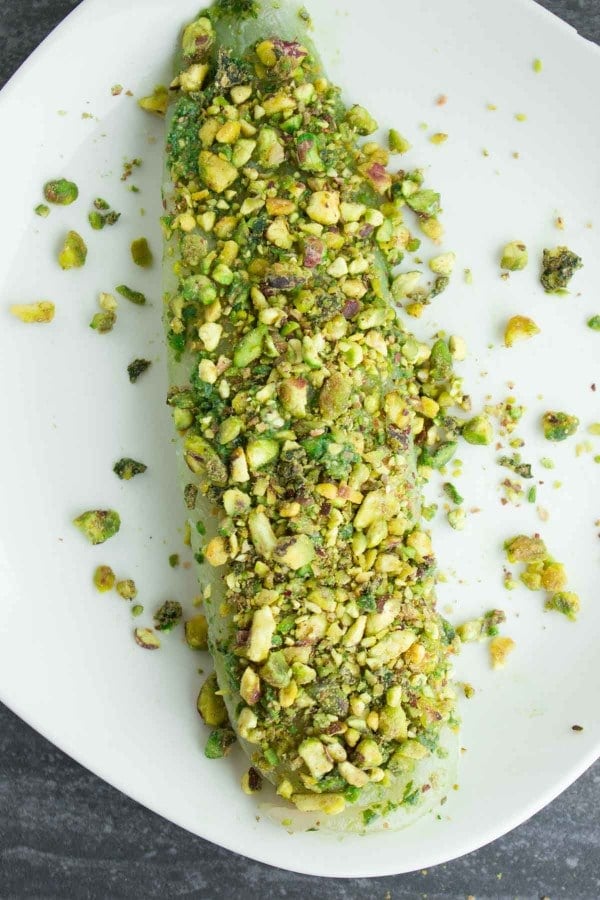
(292,398)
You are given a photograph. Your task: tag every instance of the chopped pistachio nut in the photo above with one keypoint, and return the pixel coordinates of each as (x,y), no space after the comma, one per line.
(537,66)
(127,468)
(103,322)
(525,549)
(104,579)
(98,525)
(564,602)
(61,192)
(478,430)
(146,638)
(514,256)
(440,137)
(481,628)
(168,616)
(42,210)
(219,743)
(73,253)
(500,648)
(141,253)
(126,589)
(558,426)
(137,368)
(196,632)
(41,312)
(457,519)
(519,328)
(133,296)
(558,267)
(443,264)
(397,143)
(298,416)
(452,493)
(594,323)
(156,102)
(210,703)
(137,610)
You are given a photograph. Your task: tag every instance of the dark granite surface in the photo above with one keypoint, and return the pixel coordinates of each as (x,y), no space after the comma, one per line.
(66,834)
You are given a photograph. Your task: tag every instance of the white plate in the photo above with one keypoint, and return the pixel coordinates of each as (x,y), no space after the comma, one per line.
(68,663)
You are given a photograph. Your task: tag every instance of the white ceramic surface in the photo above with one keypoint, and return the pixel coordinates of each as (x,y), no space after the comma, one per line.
(68,663)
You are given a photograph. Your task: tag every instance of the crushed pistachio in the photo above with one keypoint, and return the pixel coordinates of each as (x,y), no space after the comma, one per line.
(478,430)
(210,703)
(174,560)
(452,493)
(98,525)
(135,297)
(558,267)
(41,312)
(525,549)
(128,166)
(74,251)
(146,638)
(156,102)
(196,632)
(137,610)
(103,322)
(141,253)
(537,66)
(564,602)
(594,323)
(558,426)
(168,616)
(514,256)
(127,468)
(219,743)
(500,648)
(439,137)
(42,210)
(136,368)
(126,589)
(519,328)
(457,519)
(61,192)
(397,143)
(481,628)
(104,579)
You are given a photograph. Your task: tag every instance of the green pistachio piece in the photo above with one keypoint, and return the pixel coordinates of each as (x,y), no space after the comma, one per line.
(260,452)
(425,202)
(361,120)
(452,493)
(61,192)
(168,616)
(437,459)
(397,143)
(196,633)
(564,602)
(104,579)
(525,549)
(519,328)
(96,220)
(146,638)
(558,426)
(514,256)
(98,525)
(127,468)
(126,589)
(133,296)
(42,210)
(335,396)
(210,704)
(73,253)
(219,743)
(103,322)
(276,670)
(141,253)
(200,457)
(558,267)
(157,102)
(216,172)
(40,313)
(594,323)
(137,368)
(198,38)
(440,362)
(478,430)
(250,347)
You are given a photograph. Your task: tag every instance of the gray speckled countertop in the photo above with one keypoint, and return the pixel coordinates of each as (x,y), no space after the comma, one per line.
(66,834)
